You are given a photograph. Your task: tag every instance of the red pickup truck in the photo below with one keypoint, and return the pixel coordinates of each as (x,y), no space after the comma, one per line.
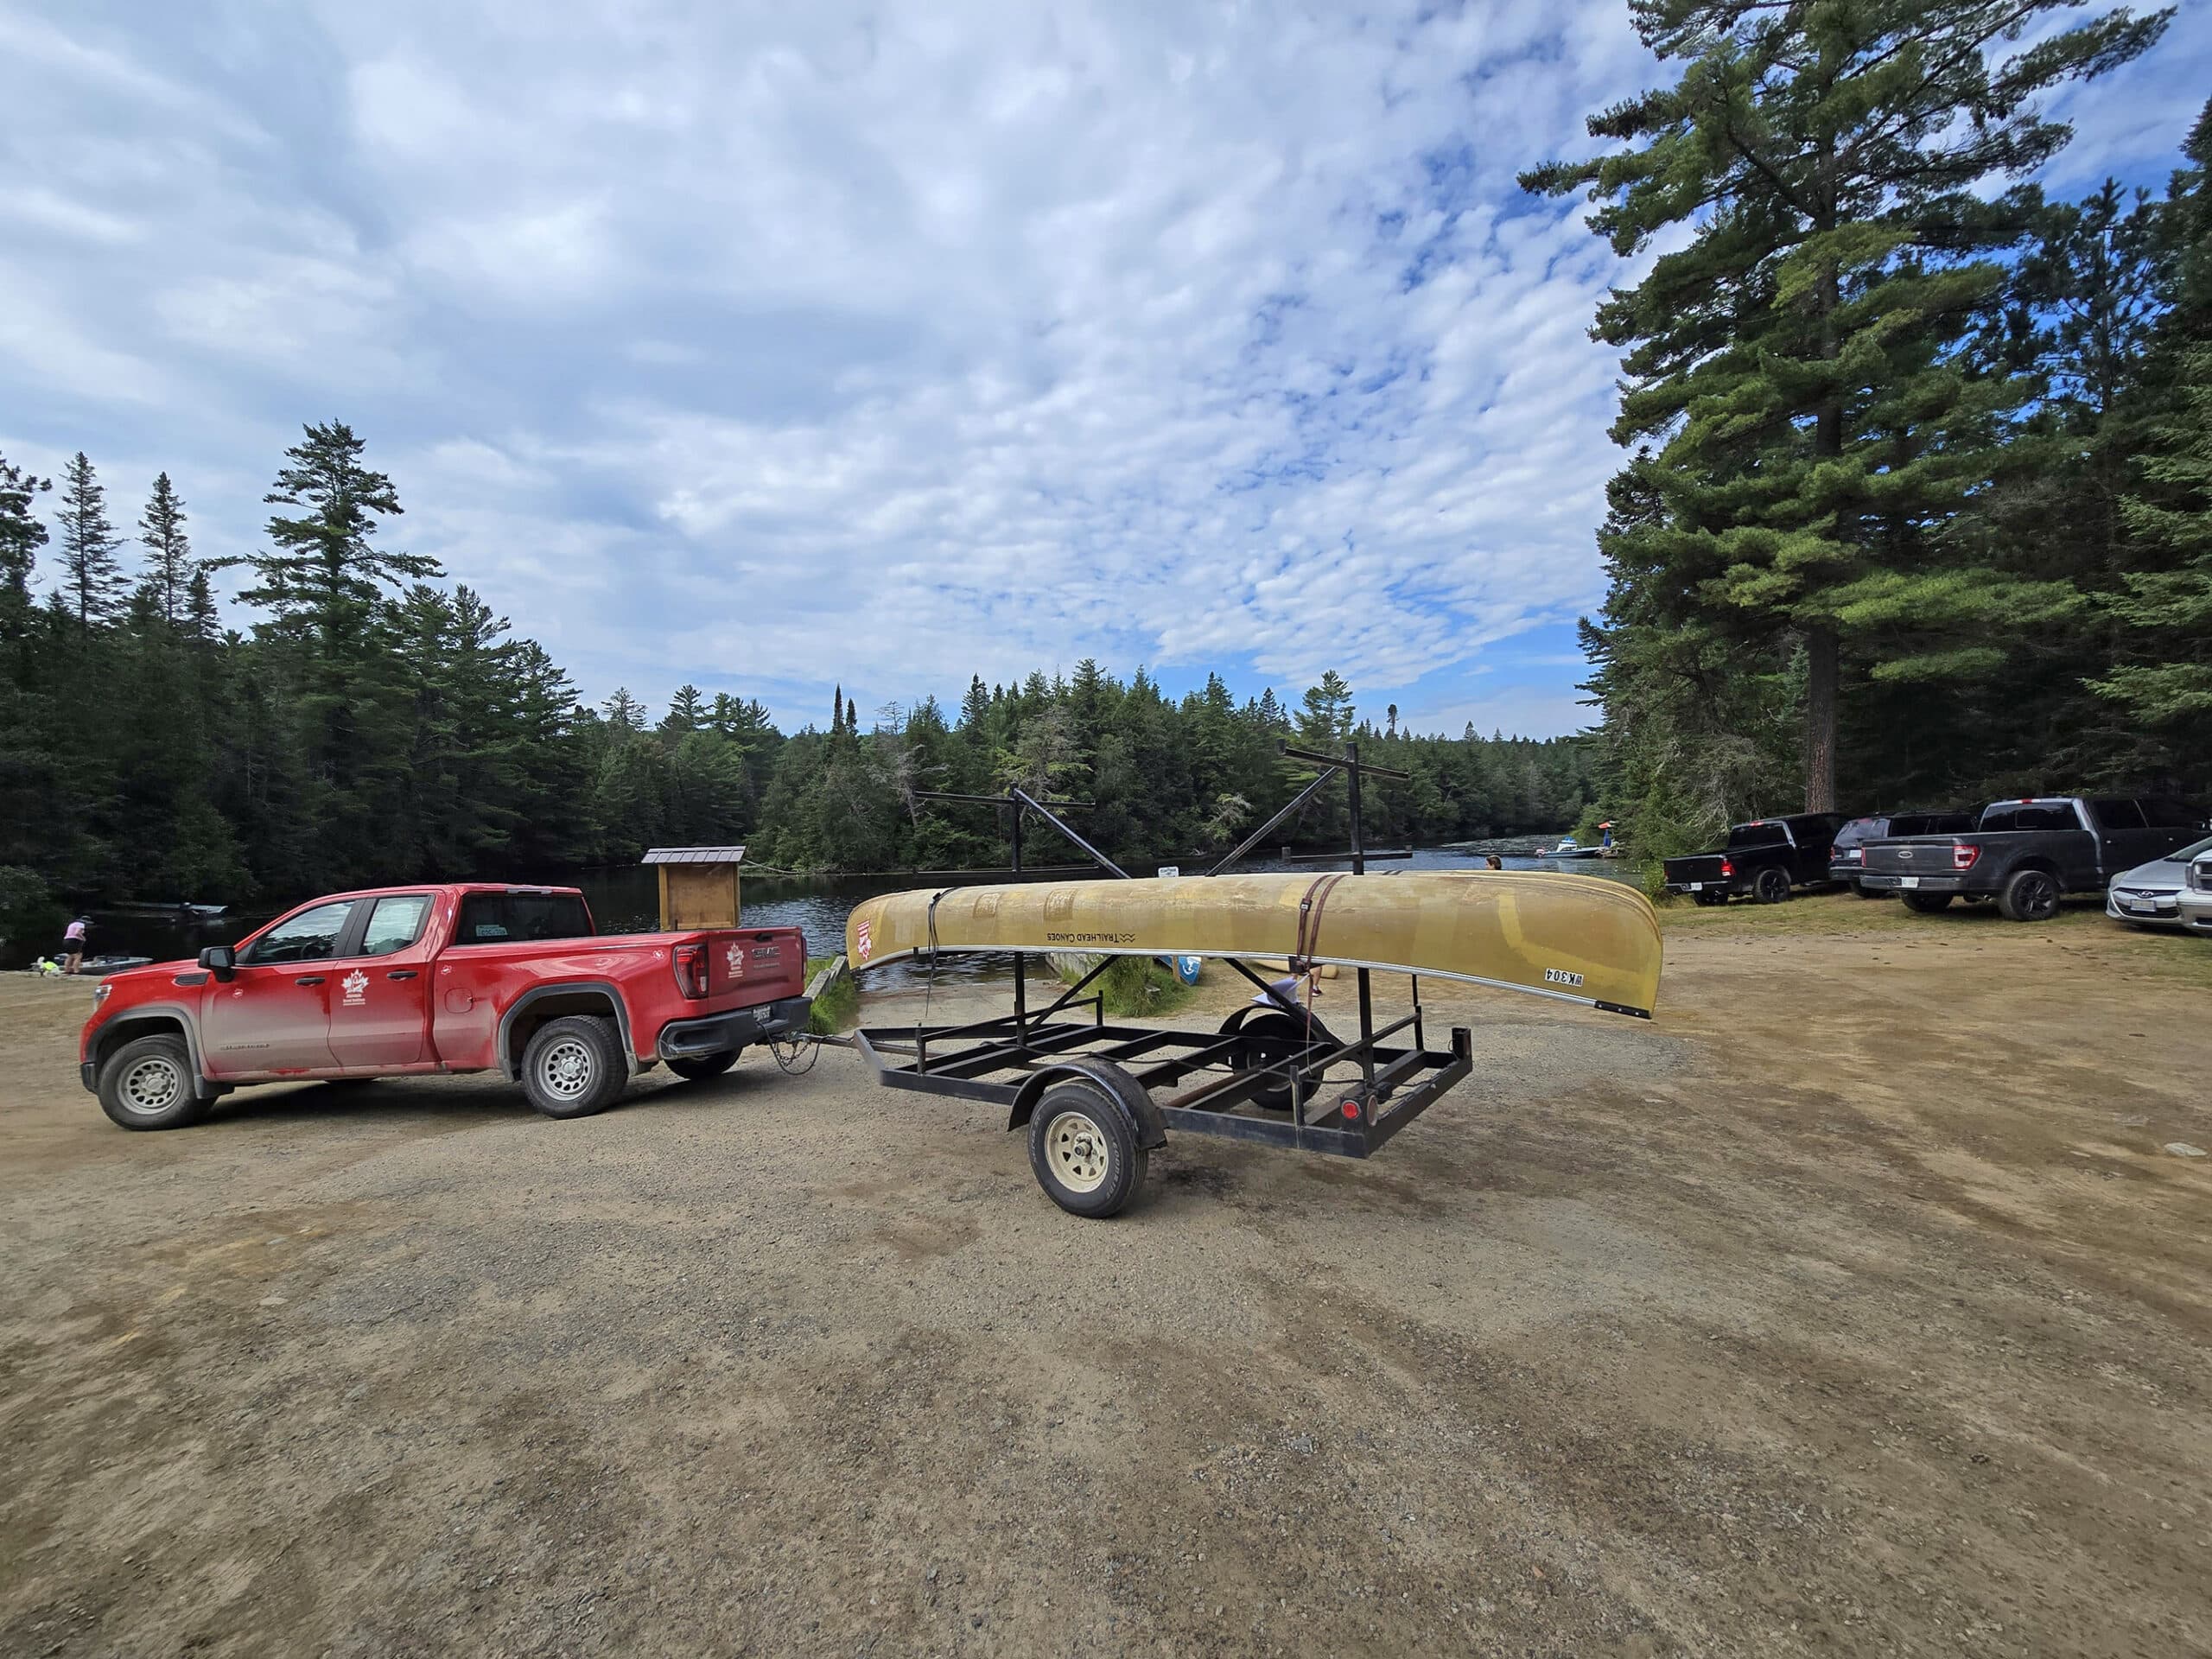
(404,981)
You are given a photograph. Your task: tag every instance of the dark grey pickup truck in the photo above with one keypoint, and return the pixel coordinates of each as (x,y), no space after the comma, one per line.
(2028,854)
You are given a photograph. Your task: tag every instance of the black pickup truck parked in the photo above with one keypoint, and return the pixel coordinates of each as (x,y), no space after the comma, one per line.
(1765,858)
(2028,854)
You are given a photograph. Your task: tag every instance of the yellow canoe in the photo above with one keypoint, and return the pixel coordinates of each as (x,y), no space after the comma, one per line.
(1579,938)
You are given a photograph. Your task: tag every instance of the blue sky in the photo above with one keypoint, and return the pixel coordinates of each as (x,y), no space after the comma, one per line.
(770,347)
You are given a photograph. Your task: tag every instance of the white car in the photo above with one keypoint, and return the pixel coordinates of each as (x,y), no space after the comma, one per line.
(2174,891)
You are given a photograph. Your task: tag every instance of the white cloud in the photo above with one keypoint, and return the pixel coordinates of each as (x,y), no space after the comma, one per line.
(769,345)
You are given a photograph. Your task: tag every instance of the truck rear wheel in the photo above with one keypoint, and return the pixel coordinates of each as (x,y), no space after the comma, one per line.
(149,1084)
(573,1067)
(2029,896)
(1771,885)
(1084,1150)
(697,1068)
(1927,903)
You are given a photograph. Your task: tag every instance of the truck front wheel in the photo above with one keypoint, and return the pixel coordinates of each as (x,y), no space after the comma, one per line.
(573,1067)
(149,1084)
(1771,885)
(2029,896)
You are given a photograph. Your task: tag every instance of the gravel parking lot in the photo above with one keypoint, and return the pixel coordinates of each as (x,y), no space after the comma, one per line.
(1859,1304)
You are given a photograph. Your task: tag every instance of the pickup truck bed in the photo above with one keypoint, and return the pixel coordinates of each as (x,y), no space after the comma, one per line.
(425,980)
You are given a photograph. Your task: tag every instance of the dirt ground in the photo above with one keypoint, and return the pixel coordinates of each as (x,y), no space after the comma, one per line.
(1854,1306)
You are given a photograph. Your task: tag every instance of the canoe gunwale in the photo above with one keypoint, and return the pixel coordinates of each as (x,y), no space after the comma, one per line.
(1233,956)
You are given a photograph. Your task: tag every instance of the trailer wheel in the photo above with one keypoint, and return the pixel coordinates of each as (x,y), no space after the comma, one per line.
(1084,1150)
(1273,1039)
(697,1068)
(1771,885)
(147,1085)
(573,1067)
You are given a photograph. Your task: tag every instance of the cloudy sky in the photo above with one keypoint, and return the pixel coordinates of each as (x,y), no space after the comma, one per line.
(766,346)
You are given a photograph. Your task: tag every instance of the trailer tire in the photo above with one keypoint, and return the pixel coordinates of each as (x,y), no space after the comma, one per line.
(148,1083)
(1273,1039)
(1771,885)
(1083,1150)
(573,1067)
(697,1068)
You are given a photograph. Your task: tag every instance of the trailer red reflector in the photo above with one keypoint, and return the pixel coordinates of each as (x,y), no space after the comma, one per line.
(1351,1109)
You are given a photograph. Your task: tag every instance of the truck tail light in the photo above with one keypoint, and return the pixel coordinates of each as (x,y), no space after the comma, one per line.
(691,970)
(1727,868)
(1962,858)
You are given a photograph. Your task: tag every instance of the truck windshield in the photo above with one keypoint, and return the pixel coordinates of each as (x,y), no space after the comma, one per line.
(498,918)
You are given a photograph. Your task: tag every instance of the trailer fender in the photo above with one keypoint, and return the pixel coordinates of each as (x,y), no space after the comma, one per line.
(1113,1080)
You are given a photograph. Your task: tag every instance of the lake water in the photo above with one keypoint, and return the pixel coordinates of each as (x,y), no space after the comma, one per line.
(626,901)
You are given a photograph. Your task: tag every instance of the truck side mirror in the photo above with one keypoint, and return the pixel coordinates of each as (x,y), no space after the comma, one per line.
(220,961)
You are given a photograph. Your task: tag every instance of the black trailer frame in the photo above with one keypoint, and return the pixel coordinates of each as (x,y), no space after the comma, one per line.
(1273,1074)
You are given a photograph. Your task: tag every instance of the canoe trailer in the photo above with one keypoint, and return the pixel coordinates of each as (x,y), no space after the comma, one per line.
(1273,1073)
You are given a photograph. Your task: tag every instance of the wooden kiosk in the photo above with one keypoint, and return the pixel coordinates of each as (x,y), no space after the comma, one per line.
(698,886)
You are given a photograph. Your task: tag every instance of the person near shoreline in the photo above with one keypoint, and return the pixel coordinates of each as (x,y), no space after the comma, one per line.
(73,945)
(1493,862)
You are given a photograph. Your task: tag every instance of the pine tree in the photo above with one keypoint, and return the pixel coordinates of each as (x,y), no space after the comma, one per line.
(322,570)
(1327,714)
(2165,676)
(170,569)
(92,580)
(1789,368)
(20,537)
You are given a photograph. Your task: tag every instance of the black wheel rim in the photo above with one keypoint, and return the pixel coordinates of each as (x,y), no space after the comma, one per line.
(2041,899)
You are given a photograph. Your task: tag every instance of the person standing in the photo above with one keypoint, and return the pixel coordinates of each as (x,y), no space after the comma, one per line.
(73,945)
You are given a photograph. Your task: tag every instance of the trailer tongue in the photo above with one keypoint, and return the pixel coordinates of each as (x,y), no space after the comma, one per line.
(1272,1072)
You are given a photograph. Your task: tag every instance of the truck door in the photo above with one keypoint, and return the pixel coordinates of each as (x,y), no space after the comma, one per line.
(2124,838)
(380,994)
(273,1015)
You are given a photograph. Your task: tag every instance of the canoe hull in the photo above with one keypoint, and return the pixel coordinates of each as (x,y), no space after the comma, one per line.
(1570,937)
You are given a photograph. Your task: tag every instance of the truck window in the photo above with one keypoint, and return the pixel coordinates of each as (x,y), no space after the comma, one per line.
(498,918)
(1768,832)
(2028,815)
(1861,830)
(395,924)
(311,936)
(2166,813)
(2115,812)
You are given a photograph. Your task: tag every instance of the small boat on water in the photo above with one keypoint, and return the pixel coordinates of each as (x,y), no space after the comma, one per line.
(1570,848)
(1546,932)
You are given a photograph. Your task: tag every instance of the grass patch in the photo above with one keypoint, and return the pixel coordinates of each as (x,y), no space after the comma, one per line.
(1133,985)
(837,1007)
(2081,922)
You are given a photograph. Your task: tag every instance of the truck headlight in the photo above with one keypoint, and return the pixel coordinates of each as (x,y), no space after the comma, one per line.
(100,993)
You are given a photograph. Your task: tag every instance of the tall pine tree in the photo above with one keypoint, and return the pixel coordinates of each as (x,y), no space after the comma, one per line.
(92,583)
(1801,426)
